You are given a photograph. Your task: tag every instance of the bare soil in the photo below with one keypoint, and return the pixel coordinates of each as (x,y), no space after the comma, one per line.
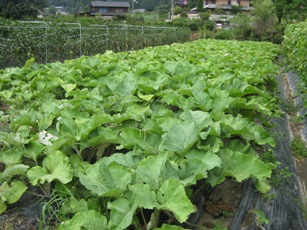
(222,205)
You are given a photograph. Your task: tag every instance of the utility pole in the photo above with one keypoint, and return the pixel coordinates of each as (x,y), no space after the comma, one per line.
(172,10)
(132,6)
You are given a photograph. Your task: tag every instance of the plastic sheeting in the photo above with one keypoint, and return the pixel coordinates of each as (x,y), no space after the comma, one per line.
(294,82)
(281,206)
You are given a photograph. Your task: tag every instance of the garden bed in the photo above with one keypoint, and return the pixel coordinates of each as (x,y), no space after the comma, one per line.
(127,140)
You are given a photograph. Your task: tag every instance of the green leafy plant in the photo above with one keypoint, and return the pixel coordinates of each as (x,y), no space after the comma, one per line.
(281,176)
(260,218)
(123,137)
(49,41)
(298,147)
(295,51)
(10,193)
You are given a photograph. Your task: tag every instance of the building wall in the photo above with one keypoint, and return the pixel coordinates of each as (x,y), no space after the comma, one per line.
(102,10)
(228,2)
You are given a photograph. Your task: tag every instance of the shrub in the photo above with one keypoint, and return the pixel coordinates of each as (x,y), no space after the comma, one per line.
(183,15)
(224,35)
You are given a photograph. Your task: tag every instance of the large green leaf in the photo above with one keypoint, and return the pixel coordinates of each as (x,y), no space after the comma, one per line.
(220,99)
(86,125)
(121,215)
(201,119)
(144,196)
(11,156)
(106,180)
(13,170)
(147,141)
(153,170)
(180,138)
(33,150)
(246,129)
(10,193)
(138,112)
(56,166)
(103,135)
(196,166)
(73,206)
(89,220)
(13,139)
(78,165)
(176,68)
(172,197)
(128,160)
(241,166)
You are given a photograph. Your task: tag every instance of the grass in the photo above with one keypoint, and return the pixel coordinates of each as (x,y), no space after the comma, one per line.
(298,147)
(290,107)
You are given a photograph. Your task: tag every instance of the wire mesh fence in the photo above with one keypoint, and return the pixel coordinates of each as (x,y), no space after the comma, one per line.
(49,42)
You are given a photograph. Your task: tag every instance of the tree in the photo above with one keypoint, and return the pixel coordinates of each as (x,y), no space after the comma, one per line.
(192,3)
(19,9)
(296,9)
(291,9)
(51,10)
(196,3)
(264,18)
(177,10)
(242,26)
(235,9)
(280,8)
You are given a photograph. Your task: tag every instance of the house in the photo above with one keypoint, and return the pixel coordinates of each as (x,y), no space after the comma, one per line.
(109,9)
(222,10)
(227,5)
(246,3)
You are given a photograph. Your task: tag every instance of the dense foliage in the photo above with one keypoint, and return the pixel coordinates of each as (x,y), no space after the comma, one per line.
(57,41)
(19,9)
(295,51)
(290,9)
(116,134)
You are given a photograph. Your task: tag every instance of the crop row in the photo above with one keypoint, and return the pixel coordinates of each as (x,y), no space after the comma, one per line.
(295,50)
(122,137)
(48,42)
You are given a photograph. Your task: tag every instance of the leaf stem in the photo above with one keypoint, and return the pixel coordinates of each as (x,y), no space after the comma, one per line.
(143,217)
(157,217)
(154,219)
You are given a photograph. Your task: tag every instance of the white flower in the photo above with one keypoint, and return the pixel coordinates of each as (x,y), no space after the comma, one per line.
(46,138)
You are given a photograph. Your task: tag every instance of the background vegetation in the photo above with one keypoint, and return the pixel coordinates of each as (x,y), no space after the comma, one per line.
(295,48)
(63,38)
(267,21)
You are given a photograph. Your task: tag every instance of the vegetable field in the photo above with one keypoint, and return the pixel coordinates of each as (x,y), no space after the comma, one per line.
(295,48)
(120,139)
(51,41)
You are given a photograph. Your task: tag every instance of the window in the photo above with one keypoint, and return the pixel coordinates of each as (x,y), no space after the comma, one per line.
(103,10)
(119,10)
